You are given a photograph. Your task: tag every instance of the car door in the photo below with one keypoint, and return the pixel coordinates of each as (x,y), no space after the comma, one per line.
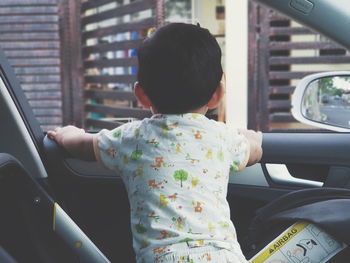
(33,226)
(96,199)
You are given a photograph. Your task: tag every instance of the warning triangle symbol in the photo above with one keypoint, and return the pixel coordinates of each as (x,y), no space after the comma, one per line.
(271,250)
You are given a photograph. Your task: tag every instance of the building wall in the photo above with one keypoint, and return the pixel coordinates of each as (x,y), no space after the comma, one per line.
(311,53)
(29,36)
(232,35)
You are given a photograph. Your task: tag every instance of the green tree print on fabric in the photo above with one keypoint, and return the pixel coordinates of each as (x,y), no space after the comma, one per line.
(140,228)
(234,167)
(180,175)
(187,239)
(137,154)
(117,133)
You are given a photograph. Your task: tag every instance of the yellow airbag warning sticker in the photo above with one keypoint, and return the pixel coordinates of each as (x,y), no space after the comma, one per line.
(300,243)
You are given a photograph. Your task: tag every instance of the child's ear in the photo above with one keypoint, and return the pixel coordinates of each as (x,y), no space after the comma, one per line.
(218,94)
(141,96)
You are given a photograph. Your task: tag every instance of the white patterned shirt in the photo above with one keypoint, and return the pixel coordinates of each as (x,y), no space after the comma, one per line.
(176,171)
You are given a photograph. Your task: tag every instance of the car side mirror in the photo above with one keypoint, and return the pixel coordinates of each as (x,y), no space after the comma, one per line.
(323,100)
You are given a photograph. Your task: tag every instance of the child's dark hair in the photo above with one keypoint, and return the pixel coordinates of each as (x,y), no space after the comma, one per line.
(179,67)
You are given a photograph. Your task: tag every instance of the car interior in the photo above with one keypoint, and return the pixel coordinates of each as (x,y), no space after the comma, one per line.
(59,209)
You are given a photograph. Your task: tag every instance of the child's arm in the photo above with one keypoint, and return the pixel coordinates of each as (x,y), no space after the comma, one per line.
(76,141)
(255,141)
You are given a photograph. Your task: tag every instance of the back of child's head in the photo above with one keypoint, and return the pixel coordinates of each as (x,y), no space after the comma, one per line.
(179,67)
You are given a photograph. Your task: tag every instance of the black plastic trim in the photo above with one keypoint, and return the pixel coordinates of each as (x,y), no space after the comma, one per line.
(307,148)
(261,193)
(14,88)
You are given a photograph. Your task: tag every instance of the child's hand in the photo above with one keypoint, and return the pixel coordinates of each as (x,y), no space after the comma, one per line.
(65,136)
(255,141)
(59,131)
(78,143)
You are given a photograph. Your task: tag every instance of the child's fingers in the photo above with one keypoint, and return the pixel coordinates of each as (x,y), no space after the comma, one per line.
(51,134)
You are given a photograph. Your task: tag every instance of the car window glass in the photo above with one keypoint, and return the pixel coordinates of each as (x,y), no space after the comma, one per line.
(90,83)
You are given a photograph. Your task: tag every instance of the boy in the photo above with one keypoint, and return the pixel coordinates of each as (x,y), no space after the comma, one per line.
(175,165)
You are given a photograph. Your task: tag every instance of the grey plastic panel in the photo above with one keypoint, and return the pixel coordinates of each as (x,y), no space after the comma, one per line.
(252,175)
(329,17)
(280,175)
(88,168)
(75,238)
(303,6)
(307,148)
(14,136)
